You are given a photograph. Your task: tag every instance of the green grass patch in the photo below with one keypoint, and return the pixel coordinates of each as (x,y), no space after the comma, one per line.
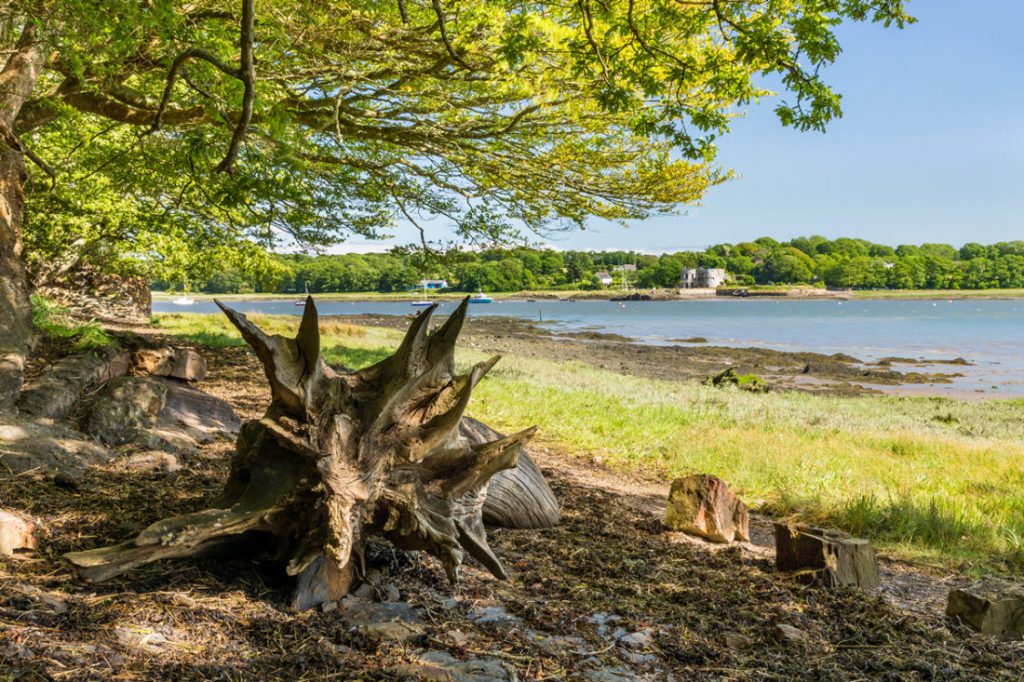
(932,478)
(56,323)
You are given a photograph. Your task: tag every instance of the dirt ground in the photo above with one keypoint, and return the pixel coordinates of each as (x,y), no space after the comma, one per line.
(608,595)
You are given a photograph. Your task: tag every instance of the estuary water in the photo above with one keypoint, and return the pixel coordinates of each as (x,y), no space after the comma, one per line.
(987,333)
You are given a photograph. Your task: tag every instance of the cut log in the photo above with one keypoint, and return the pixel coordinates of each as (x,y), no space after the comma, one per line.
(342,455)
(999,613)
(825,557)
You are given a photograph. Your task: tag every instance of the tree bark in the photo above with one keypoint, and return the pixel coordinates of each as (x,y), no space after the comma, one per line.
(17,79)
(343,455)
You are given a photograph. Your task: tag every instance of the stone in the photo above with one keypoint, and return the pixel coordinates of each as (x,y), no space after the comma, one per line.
(996,613)
(17,533)
(39,444)
(126,407)
(640,639)
(54,392)
(787,634)
(827,558)
(439,666)
(178,363)
(703,505)
(158,413)
(491,614)
(736,641)
(378,622)
(152,462)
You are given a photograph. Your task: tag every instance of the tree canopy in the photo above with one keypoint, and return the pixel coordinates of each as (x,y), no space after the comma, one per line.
(164,133)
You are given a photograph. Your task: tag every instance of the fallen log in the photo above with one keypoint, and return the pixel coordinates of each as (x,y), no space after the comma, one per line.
(343,455)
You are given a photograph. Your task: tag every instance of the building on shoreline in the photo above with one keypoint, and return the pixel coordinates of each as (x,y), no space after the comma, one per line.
(433,284)
(703,278)
(603,278)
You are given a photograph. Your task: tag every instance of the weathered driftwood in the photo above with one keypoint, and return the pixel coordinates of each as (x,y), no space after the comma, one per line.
(342,455)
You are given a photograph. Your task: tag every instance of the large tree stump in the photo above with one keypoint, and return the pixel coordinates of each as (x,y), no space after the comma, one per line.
(342,455)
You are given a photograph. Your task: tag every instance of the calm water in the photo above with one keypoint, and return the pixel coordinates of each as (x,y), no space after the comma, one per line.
(989,333)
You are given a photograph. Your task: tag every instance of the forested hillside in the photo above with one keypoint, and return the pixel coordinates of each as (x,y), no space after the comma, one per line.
(838,263)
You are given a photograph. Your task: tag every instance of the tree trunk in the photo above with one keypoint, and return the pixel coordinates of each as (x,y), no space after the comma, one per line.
(17,79)
(342,455)
(15,311)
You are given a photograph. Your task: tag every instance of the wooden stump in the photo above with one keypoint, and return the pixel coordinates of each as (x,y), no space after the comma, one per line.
(829,558)
(999,614)
(342,455)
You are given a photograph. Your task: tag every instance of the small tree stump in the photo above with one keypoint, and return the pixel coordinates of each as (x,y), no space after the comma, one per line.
(829,558)
(998,614)
(703,505)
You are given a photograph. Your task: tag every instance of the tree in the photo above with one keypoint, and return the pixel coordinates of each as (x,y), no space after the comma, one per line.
(306,121)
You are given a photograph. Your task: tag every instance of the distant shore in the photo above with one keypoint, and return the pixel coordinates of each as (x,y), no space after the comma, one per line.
(795,293)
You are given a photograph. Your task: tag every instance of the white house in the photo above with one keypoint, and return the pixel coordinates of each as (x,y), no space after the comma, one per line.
(703,278)
(433,284)
(603,278)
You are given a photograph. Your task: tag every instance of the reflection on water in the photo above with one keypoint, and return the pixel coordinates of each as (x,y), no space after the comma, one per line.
(988,333)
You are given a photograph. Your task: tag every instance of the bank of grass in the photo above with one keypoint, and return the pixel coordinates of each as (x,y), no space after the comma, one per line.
(937,293)
(932,479)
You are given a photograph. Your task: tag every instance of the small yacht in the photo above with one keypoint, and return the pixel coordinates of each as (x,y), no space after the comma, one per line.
(302,301)
(183,300)
(479,297)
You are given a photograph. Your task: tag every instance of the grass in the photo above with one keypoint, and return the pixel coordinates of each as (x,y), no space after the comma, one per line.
(56,322)
(939,293)
(925,478)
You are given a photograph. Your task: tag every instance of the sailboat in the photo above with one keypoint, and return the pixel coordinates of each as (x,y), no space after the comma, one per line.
(423,302)
(183,300)
(479,297)
(302,301)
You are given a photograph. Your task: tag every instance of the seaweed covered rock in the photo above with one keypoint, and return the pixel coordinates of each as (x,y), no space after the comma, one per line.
(744,382)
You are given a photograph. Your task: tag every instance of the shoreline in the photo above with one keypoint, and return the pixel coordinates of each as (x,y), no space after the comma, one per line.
(789,293)
(837,374)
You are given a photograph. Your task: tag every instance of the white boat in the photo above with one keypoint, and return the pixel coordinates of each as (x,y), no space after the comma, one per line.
(183,300)
(302,301)
(479,297)
(421,304)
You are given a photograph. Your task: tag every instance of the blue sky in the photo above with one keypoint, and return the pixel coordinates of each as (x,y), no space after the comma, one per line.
(930,147)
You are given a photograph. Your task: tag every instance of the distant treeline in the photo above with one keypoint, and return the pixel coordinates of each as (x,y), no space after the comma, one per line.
(835,263)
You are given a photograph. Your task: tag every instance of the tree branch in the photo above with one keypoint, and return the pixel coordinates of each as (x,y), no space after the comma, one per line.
(442,26)
(247,74)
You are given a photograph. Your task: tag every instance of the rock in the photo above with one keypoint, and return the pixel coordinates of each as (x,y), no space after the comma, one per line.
(54,392)
(124,409)
(996,613)
(377,622)
(68,479)
(438,666)
(153,461)
(703,505)
(736,641)
(640,639)
(158,413)
(178,363)
(744,382)
(787,634)
(494,614)
(35,598)
(828,558)
(17,533)
(38,444)
(141,639)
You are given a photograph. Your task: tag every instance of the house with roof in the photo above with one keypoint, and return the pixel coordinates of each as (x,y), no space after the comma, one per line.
(603,278)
